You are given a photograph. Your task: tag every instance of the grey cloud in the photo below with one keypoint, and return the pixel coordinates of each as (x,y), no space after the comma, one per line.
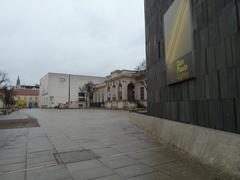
(73,36)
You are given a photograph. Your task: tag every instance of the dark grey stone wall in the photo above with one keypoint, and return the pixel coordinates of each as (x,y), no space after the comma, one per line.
(212,99)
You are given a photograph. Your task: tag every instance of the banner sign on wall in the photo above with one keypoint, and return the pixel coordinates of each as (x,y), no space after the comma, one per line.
(178,37)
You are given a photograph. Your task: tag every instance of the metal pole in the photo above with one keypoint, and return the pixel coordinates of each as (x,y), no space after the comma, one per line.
(69,81)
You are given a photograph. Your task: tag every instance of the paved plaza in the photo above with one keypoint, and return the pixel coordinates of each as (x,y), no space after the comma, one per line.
(91,144)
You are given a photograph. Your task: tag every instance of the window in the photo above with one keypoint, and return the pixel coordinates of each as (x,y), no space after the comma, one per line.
(108,94)
(97,97)
(114,93)
(82,99)
(62,80)
(81,96)
(142,93)
(120,91)
(102,96)
(51,99)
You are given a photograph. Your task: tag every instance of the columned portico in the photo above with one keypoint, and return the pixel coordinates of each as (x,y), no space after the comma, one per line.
(124,91)
(120,90)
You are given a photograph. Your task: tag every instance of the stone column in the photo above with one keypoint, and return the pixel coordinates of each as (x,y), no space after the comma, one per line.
(117,98)
(125,91)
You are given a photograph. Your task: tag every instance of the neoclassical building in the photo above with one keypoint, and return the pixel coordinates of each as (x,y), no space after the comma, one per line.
(123,89)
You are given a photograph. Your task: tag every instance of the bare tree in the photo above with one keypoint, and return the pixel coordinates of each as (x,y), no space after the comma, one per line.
(8,97)
(141,72)
(3,78)
(88,88)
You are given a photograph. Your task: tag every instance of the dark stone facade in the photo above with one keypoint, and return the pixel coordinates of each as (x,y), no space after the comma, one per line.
(212,98)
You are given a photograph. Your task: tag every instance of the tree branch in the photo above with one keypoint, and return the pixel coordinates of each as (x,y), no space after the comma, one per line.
(3,77)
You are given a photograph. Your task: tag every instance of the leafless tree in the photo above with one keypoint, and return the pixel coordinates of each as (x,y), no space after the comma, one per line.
(141,72)
(8,97)
(3,78)
(88,88)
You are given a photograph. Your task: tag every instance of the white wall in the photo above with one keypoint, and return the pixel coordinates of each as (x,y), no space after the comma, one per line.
(79,81)
(57,86)
(43,91)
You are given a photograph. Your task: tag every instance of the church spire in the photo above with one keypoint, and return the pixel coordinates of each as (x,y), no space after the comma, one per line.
(18,84)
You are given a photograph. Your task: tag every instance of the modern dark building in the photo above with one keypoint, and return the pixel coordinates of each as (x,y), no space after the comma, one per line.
(200,84)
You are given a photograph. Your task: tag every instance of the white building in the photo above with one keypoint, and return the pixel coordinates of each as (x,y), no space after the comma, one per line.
(61,89)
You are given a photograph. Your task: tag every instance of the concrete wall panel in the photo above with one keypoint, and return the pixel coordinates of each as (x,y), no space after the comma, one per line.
(217,148)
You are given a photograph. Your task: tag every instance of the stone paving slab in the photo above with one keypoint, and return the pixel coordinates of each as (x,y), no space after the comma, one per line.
(48,173)
(17,119)
(13,176)
(75,156)
(119,162)
(14,160)
(125,152)
(106,152)
(152,176)
(41,158)
(12,167)
(93,173)
(134,170)
(112,177)
(84,165)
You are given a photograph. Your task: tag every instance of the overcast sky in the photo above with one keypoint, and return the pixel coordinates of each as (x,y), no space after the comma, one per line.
(88,37)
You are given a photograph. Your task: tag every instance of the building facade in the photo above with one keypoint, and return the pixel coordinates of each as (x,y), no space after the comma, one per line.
(123,89)
(207,91)
(28,96)
(1,99)
(100,94)
(58,89)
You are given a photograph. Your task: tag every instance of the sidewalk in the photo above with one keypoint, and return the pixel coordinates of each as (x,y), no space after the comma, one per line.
(92,144)
(14,115)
